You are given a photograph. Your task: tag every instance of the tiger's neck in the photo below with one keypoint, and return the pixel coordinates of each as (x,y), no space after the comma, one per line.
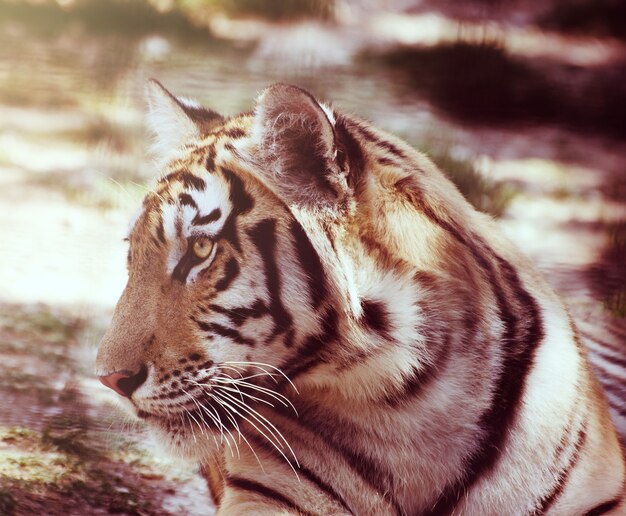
(400,317)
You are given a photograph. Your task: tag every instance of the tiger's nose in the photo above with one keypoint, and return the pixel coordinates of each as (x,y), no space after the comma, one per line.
(125,382)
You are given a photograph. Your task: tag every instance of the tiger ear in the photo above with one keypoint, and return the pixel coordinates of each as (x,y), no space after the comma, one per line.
(295,136)
(173,120)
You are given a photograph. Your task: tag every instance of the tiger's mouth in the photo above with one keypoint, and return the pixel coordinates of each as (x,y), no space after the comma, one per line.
(225,412)
(199,417)
(221,407)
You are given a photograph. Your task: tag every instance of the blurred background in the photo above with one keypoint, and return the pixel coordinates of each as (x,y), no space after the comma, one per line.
(521,102)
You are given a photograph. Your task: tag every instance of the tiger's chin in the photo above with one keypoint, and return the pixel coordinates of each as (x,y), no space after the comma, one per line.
(184,442)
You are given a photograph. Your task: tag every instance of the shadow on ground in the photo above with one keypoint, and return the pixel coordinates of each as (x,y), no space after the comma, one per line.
(481,84)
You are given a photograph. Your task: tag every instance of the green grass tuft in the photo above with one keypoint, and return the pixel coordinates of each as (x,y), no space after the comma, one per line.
(486,195)
(608,275)
(272,10)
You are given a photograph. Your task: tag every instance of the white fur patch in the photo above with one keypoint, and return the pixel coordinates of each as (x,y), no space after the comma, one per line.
(329,112)
(178,220)
(171,127)
(133,221)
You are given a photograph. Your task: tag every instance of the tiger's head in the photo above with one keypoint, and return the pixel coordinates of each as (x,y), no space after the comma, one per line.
(223,281)
(239,273)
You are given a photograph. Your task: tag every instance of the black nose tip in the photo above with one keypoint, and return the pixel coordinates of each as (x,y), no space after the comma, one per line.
(125,382)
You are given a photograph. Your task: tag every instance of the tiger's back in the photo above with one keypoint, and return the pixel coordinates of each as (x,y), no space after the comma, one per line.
(436,372)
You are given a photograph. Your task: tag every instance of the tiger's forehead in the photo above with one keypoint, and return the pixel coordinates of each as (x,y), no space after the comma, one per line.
(195,193)
(189,201)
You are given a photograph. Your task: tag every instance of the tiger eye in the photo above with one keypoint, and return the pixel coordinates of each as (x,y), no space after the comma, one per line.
(202,247)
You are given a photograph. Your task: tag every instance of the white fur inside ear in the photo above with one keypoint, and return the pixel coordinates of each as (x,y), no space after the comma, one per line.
(329,113)
(171,126)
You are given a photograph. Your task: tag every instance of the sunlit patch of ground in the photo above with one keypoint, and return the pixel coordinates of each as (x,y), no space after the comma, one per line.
(61,203)
(432,29)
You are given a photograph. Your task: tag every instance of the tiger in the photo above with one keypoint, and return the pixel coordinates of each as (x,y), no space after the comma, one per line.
(318,319)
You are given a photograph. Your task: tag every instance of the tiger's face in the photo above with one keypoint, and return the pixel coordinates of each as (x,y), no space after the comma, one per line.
(224,286)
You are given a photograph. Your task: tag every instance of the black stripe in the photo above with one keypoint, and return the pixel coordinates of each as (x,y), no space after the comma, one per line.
(618,361)
(548,501)
(263,236)
(241,200)
(375,316)
(618,392)
(231,271)
(288,340)
(186,178)
(235,133)
(241,203)
(223,331)
(302,470)
(370,471)
(310,263)
(418,380)
(603,343)
(254,487)
(240,314)
(310,352)
(520,340)
(614,386)
(187,200)
(384,144)
(604,508)
(211,217)
(186,263)
(210,160)
(160,231)
(229,232)
(179,227)
(386,161)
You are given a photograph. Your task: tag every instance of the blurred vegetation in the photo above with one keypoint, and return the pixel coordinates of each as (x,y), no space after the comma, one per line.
(486,195)
(135,18)
(277,10)
(58,470)
(131,18)
(22,329)
(587,17)
(608,274)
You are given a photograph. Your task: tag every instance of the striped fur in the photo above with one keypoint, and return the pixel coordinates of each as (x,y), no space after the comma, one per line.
(359,340)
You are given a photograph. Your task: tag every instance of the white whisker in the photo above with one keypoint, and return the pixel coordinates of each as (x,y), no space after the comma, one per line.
(263,421)
(228,406)
(270,392)
(261,366)
(196,403)
(222,427)
(230,389)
